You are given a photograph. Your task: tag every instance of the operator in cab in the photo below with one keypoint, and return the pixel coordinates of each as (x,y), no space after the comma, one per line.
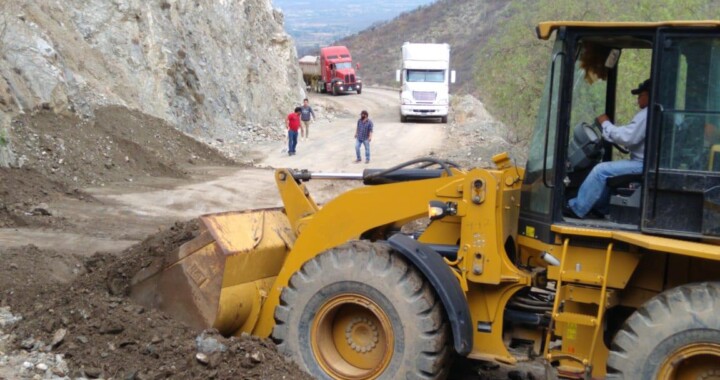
(594,193)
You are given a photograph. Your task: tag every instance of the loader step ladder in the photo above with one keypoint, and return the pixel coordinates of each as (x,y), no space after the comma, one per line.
(567,318)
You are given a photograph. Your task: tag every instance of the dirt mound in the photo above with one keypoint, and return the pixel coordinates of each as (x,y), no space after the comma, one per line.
(102,333)
(23,193)
(58,154)
(117,145)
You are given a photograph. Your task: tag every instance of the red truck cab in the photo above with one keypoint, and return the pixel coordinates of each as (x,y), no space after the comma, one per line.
(338,74)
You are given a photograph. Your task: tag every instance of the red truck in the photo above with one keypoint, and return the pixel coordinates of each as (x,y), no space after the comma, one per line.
(331,72)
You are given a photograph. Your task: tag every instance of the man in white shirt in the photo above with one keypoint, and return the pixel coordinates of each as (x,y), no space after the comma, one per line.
(594,192)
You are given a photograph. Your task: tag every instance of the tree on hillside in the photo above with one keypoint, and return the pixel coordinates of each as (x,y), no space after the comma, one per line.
(512,69)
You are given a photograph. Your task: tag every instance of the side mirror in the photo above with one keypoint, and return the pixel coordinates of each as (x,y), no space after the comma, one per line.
(452,76)
(397,75)
(612,58)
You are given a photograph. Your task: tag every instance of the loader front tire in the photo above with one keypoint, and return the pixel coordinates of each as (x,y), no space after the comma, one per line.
(675,335)
(360,311)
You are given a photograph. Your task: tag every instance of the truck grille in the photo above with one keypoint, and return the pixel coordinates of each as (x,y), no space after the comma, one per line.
(350,78)
(428,96)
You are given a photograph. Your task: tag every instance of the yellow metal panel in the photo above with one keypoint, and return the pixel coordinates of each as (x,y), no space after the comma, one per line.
(663,244)
(583,277)
(487,304)
(545,29)
(344,218)
(576,319)
(241,232)
(585,294)
(255,243)
(591,264)
(443,231)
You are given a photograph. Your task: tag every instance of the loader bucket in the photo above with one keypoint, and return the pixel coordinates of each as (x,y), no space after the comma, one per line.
(220,278)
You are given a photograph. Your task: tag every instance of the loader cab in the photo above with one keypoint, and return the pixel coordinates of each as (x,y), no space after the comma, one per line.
(592,70)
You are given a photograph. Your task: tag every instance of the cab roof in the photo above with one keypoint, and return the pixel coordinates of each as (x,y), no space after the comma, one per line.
(545,29)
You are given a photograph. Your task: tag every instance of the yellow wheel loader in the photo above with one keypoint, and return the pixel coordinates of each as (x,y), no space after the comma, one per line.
(427,261)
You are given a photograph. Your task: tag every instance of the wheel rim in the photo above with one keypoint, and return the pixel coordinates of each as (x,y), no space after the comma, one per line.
(697,361)
(352,338)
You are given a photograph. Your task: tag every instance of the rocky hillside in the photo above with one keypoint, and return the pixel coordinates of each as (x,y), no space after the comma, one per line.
(210,68)
(464,24)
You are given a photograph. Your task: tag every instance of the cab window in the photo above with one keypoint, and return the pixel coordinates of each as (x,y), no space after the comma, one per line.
(690,95)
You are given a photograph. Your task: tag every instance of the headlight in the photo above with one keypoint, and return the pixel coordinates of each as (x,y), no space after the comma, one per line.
(359,80)
(439,210)
(340,83)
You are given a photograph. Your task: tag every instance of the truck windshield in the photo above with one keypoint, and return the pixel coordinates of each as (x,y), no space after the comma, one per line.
(437,76)
(343,65)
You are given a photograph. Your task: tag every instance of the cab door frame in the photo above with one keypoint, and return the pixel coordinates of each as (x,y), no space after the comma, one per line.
(677,201)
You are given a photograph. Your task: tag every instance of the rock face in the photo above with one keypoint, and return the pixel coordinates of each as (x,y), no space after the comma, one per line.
(208,67)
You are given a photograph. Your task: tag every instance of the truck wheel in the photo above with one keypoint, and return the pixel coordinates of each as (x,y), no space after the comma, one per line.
(403,118)
(675,335)
(359,91)
(444,119)
(360,311)
(334,91)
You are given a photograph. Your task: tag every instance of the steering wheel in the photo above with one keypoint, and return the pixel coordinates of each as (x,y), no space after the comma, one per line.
(586,148)
(598,129)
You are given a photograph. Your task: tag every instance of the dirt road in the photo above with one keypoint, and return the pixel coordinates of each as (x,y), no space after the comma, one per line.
(129,211)
(330,147)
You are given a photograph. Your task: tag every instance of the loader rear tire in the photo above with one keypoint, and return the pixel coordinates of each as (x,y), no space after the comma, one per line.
(675,335)
(360,311)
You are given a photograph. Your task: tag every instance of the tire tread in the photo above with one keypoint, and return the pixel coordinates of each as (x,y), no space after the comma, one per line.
(671,312)
(432,352)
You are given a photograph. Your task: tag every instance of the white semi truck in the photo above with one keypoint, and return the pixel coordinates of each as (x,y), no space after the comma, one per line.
(425,78)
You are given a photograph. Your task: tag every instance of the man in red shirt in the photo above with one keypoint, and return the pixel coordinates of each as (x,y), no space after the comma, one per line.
(292,122)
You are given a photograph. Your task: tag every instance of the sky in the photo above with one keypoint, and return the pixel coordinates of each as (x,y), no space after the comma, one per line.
(314,23)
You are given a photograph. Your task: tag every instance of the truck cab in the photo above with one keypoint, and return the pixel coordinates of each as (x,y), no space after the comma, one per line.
(337,72)
(425,78)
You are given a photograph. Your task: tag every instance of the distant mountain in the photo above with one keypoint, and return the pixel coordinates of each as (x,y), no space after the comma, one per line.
(464,24)
(320,22)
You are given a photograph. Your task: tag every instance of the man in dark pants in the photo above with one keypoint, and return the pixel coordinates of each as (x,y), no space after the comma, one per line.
(306,113)
(292,122)
(363,136)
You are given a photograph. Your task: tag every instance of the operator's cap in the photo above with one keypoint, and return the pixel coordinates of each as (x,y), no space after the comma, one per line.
(644,86)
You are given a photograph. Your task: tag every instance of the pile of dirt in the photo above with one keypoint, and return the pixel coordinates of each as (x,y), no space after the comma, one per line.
(102,333)
(24,194)
(58,154)
(119,144)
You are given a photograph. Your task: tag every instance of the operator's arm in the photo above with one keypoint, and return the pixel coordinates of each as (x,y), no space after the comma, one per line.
(370,130)
(627,135)
(312,113)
